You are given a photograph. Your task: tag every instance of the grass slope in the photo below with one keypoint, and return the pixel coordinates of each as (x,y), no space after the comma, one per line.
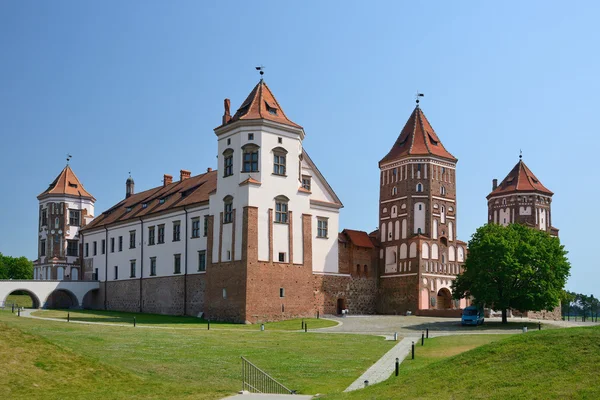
(190,363)
(20,300)
(551,364)
(118,317)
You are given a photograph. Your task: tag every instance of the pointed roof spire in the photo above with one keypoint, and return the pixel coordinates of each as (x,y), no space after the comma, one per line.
(417,138)
(520,179)
(261,104)
(66,183)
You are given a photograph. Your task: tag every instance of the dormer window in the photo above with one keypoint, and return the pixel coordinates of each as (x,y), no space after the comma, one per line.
(161,201)
(271,108)
(144,205)
(432,140)
(73,185)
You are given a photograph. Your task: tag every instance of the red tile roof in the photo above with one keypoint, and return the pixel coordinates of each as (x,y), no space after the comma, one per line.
(261,104)
(66,183)
(359,238)
(417,138)
(191,191)
(520,179)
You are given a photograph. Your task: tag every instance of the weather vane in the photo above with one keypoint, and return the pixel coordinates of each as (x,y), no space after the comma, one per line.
(261,69)
(417,97)
(520,154)
(69,158)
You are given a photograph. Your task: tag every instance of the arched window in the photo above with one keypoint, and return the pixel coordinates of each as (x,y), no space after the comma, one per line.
(443,191)
(74,274)
(279,154)
(425,250)
(394,211)
(56,223)
(227,209)
(383,235)
(419,187)
(404,228)
(503,202)
(60,273)
(394,191)
(228,162)
(412,251)
(403,250)
(250,158)
(366,271)
(281,209)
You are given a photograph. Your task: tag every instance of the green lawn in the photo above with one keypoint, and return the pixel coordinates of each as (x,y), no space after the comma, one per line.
(551,364)
(20,300)
(175,321)
(74,361)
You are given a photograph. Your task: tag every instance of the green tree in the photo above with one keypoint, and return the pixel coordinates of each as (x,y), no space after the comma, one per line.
(513,267)
(3,268)
(15,267)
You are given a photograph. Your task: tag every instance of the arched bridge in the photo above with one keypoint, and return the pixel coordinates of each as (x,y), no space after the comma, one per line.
(43,293)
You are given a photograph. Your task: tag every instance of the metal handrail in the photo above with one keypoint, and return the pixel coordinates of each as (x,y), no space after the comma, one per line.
(255,380)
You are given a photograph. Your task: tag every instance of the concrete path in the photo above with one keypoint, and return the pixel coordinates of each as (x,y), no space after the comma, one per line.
(385,366)
(261,396)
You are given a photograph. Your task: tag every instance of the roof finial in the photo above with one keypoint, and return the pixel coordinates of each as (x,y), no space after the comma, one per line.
(417,97)
(69,158)
(261,69)
(520,154)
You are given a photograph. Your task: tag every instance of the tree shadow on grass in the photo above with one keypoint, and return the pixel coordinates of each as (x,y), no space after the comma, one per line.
(455,326)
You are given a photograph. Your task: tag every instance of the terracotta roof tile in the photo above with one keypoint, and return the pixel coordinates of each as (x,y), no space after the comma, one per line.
(520,179)
(261,104)
(191,191)
(66,183)
(417,138)
(359,238)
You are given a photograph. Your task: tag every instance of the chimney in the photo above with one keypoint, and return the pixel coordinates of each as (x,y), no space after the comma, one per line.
(226,114)
(209,169)
(494,184)
(184,174)
(167,179)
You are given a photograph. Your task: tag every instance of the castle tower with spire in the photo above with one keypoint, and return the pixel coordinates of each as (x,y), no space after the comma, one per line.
(521,198)
(420,254)
(64,208)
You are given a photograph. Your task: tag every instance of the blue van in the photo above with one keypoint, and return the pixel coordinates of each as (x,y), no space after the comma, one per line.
(472,315)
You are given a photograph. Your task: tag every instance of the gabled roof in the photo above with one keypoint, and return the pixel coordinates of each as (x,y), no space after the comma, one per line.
(329,189)
(358,238)
(417,138)
(261,104)
(66,183)
(520,179)
(189,192)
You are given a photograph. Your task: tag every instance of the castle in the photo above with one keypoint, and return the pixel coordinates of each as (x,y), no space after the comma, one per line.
(258,239)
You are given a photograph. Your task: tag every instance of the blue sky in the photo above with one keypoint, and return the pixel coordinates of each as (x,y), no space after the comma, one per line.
(139,86)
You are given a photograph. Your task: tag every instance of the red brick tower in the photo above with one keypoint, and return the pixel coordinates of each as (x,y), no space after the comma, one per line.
(419,254)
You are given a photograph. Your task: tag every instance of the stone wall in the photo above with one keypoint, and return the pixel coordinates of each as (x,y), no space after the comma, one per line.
(162,295)
(553,315)
(123,295)
(196,293)
(358,295)
(398,295)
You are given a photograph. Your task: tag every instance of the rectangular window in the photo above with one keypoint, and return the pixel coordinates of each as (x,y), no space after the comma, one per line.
(250,161)
(196,227)
(228,164)
(87,249)
(281,212)
(120,243)
(152,266)
(72,248)
(176,231)
(95,247)
(116,272)
(45,217)
(281,257)
(202,260)
(74,217)
(279,164)
(251,136)
(151,233)
(96,274)
(205,225)
(132,239)
(306,182)
(161,233)
(228,214)
(281,292)
(177,264)
(224,293)
(43,247)
(132,266)
(322,227)
(112,245)
(103,247)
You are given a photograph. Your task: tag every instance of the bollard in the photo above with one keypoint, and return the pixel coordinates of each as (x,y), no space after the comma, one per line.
(397,365)
(208,325)
(366,383)
(302,324)
(427,336)
(395,336)
(422,338)
(262,327)
(317,314)
(13,308)
(539,325)
(134,322)
(19,312)
(68,317)
(305,327)
(413,350)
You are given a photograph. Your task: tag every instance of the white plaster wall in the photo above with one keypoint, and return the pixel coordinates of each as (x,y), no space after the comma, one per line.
(403,251)
(525,210)
(397,230)
(419,217)
(404,228)
(434,231)
(451,253)
(325,251)
(383,232)
(391,256)
(425,251)
(412,250)
(450,231)
(460,254)
(542,219)
(434,251)
(504,217)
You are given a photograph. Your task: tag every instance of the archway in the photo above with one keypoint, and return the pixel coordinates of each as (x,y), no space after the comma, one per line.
(92,300)
(341,305)
(444,299)
(61,298)
(21,298)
